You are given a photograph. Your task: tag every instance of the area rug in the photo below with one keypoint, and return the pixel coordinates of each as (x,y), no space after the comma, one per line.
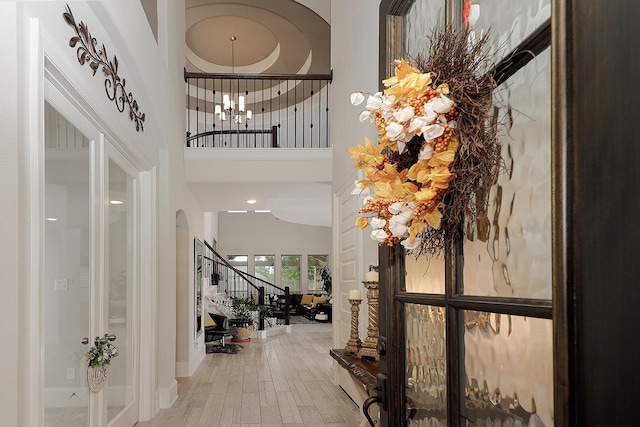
(227,348)
(300,320)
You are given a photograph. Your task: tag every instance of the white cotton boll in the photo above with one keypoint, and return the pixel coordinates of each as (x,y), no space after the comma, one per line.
(442,104)
(377,223)
(374,101)
(357,98)
(395,208)
(432,132)
(401,218)
(397,229)
(404,114)
(379,235)
(364,116)
(426,152)
(417,123)
(401,146)
(394,131)
(409,246)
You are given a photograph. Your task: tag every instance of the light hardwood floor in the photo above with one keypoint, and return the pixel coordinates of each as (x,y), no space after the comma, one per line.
(281,381)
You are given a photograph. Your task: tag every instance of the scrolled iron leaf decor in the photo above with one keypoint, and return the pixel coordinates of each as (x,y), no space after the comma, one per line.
(88,52)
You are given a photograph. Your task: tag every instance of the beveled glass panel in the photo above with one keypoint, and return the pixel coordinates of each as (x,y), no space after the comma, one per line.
(424,274)
(66,289)
(508,250)
(419,22)
(508,370)
(120,388)
(426,375)
(509,22)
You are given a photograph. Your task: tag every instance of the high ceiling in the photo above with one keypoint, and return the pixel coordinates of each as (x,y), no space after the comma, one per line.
(272,36)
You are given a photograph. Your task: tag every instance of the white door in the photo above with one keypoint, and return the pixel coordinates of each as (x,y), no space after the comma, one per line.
(89,290)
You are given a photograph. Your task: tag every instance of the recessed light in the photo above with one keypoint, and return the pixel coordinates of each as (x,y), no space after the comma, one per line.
(116,202)
(237,211)
(262,211)
(251,201)
(51,219)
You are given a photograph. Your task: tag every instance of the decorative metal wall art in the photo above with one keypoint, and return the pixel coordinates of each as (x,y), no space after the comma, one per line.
(114,85)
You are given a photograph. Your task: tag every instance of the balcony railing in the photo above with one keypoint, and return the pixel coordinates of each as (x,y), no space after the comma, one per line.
(288,110)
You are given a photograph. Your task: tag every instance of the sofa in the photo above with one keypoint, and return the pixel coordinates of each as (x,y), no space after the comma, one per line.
(310,305)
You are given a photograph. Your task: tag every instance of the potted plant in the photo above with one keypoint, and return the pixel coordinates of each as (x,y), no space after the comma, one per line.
(243,309)
(325,278)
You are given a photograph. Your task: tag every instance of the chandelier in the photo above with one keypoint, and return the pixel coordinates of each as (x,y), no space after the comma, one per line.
(228,110)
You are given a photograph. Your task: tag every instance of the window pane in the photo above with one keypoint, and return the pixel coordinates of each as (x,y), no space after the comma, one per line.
(290,275)
(424,274)
(509,22)
(508,252)
(419,22)
(264,267)
(508,370)
(426,374)
(314,265)
(235,283)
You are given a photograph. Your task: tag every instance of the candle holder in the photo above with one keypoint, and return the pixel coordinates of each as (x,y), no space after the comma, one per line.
(370,344)
(353,345)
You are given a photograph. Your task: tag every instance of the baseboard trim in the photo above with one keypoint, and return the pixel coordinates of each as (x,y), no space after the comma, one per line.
(168,395)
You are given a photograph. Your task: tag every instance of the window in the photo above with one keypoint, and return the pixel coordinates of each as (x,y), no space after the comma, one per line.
(239,262)
(290,275)
(264,267)
(314,264)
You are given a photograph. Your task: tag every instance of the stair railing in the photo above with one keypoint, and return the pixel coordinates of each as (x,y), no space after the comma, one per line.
(237,283)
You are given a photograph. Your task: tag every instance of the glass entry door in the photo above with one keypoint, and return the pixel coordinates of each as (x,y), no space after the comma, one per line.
(467,337)
(89,288)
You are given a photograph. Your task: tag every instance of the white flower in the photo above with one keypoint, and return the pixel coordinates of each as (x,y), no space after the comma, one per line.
(401,218)
(431,132)
(395,208)
(357,98)
(379,235)
(442,104)
(360,190)
(426,152)
(404,114)
(364,116)
(374,101)
(419,122)
(401,146)
(377,223)
(395,131)
(397,229)
(413,245)
(453,124)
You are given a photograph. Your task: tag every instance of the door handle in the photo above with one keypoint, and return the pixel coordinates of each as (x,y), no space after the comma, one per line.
(381,398)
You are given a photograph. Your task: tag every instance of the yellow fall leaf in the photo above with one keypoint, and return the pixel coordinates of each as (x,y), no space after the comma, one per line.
(362,223)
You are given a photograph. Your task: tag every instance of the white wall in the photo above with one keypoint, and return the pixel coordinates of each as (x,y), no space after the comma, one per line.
(10,304)
(262,234)
(354,59)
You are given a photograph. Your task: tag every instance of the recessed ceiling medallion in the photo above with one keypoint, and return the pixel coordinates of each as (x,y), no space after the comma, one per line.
(114,86)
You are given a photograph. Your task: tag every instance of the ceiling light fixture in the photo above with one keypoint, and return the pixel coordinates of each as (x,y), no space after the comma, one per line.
(228,109)
(237,211)
(51,219)
(262,211)
(116,202)
(251,201)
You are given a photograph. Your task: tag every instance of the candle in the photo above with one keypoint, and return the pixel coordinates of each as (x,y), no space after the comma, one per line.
(355,294)
(371,276)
